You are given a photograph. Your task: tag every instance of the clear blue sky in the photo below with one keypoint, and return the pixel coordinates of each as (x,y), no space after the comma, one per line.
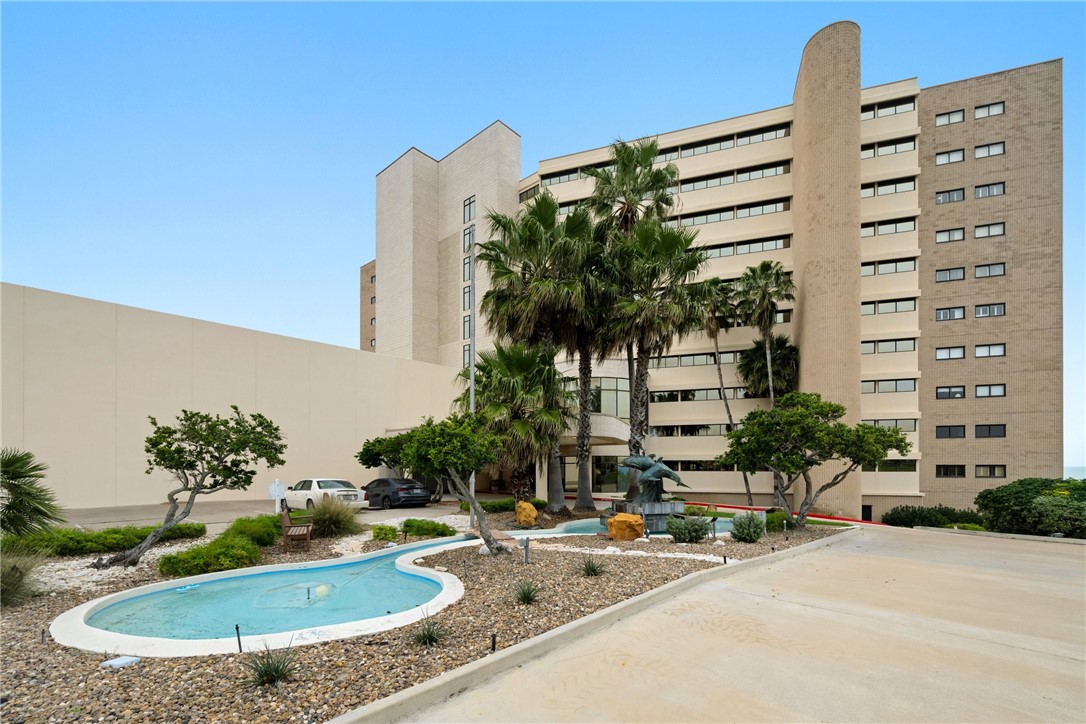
(217,160)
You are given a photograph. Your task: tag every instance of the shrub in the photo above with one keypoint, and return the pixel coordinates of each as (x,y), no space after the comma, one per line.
(1005,508)
(333,518)
(16,574)
(270,666)
(429,632)
(1049,514)
(965,526)
(225,553)
(775,521)
(76,542)
(936,516)
(695,510)
(688,530)
(427,528)
(591,567)
(527,593)
(263,530)
(505,505)
(384,532)
(747,528)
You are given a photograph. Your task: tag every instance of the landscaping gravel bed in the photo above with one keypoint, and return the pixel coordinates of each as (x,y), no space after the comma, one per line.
(51,683)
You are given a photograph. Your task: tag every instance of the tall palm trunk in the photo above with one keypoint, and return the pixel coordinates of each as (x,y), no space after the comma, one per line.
(728,409)
(584,427)
(556,493)
(639,402)
(766,334)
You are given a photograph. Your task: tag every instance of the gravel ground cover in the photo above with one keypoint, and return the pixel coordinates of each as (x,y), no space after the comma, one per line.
(46,682)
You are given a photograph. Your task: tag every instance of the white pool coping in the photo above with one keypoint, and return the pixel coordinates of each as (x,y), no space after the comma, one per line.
(70,628)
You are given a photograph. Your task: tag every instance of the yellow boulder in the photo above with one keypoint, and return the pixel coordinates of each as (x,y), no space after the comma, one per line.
(625,526)
(526,513)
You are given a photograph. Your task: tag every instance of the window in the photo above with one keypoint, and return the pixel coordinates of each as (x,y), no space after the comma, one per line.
(947,197)
(950,275)
(948,313)
(373,279)
(954,392)
(991,431)
(888,148)
(886,188)
(707,182)
(907,425)
(945,119)
(982,232)
(690,360)
(747,247)
(467,268)
(737,212)
(887,108)
(528,194)
(373,343)
(991,310)
(991,350)
(467,298)
(766,134)
(373,300)
(894,226)
(772,207)
(955,156)
(467,326)
(560,178)
(888,267)
(668,154)
(992,390)
(891,306)
(950,353)
(990,270)
(992,149)
(373,321)
(950,471)
(942,237)
(983,192)
(897,466)
(469,239)
(943,432)
(991,471)
(466,360)
(868,387)
(469,209)
(753,174)
(992,109)
(715,144)
(888,346)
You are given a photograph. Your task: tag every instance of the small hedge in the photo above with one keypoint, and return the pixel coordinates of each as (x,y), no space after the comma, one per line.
(76,542)
(384,532)
(688,530)
(747,528)
(237,547)
(427,528)
(263,530)
(505,505)
(1016,508)
(937,516)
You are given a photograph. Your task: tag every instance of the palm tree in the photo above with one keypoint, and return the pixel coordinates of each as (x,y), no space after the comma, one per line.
(752,370)
(544,290)
(525,401)
(759,290)
(26,506)
(659,308)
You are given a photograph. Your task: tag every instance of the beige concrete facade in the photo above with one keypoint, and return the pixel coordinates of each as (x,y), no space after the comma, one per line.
(80,377)
(840,189)
(367,327)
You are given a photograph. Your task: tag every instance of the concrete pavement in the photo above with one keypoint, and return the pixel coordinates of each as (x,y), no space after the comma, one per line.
(888,625)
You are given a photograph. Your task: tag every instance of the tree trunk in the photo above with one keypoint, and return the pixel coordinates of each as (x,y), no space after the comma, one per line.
(131,557)
(584,428)
(480,515)
(642,395)
(556,493)
(521,478)
(769,366)
(728,409)
(633,386)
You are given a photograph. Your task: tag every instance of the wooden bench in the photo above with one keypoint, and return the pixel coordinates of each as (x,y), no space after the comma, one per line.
(295,530)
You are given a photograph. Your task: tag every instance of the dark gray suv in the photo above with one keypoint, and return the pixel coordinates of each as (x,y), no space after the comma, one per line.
(390,492)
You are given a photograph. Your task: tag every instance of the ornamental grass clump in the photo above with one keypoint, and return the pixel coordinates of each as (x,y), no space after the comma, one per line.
(747,528)
(429,633)
(591,567)
(527,593)
(270,666)
(333,518)
(17,574)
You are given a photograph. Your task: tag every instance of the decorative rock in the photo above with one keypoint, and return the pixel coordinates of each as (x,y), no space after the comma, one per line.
(483,550)
(441,569)
(526,513)
(624,526)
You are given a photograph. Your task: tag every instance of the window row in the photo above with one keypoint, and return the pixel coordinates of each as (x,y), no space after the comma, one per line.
(697,466)
(991,109)
(698,395)
(944,432)
(741,176)
(958,155)
(892,226)
(529,193)
(745,247)
(722,143)
(890,306)
(887,108)
(892,466)
(705,430)
(981,350)
(888,148)
(885,188)
(957,392)
(980,271)
(735,212)
(888,346)
(981,471)
(869,387)
(691,360)
(905,425)
(980,192)
(896,266)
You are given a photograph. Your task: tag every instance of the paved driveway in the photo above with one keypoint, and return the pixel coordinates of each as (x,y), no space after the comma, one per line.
(891,625)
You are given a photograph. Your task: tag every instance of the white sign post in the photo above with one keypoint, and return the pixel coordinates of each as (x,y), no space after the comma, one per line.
(275,492)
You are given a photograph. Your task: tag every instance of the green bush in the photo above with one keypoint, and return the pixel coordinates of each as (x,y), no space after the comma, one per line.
(263,530)
(270,666)
(427,528)
(774,522)
(333,518)
(935,516)
(688,530)
(695,510)
(384,532)
(505,505)
(965,526)
(76,542)
(17,574)
(225,553)
(1005,509)
(747,528)
(1049,514)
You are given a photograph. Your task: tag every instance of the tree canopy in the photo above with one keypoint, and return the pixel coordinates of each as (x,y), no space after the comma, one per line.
(802,432)
(385,452)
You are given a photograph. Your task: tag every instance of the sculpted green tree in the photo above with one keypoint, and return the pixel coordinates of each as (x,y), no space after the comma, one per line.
(385,452)
(451,450)
(760,289)
(800,433)
(752,370)
(524,401)
(544,291)
(26,505)
(205,454)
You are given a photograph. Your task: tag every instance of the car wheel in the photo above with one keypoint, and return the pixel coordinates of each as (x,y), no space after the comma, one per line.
(386,502)
(309,504)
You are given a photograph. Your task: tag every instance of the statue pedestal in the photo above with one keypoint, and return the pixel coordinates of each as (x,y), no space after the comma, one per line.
(655,515)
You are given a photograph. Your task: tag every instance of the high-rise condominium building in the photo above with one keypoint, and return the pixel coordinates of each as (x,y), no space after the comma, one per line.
(921,226)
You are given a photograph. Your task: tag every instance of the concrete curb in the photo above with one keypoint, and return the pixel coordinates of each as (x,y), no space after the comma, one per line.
(404,703)
(1012,536)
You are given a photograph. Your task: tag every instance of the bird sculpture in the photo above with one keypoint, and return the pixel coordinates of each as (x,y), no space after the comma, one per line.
(650,481)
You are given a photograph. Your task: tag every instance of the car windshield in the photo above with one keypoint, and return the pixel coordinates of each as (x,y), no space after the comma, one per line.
(335,484)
